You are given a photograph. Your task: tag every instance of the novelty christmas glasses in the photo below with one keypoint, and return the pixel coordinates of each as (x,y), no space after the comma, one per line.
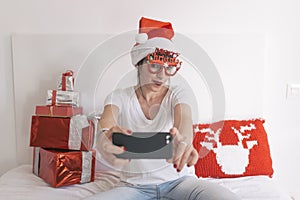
(163,59)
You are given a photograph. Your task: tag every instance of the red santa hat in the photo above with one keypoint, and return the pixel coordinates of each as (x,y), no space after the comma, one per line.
(153,34)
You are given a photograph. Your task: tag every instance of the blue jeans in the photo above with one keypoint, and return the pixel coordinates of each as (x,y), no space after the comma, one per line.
(185,188)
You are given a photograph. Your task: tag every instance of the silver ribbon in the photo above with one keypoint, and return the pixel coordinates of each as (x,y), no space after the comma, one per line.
(63,98)
(36,160)
(69,83)
(77,123)
(86,173)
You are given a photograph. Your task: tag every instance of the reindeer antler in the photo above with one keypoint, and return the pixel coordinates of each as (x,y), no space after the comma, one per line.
(241,131)
(210,137)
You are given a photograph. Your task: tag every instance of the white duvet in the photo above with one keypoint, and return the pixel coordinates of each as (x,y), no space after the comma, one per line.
(20,183)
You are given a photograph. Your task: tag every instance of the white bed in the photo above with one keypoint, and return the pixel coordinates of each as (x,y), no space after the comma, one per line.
(21,183)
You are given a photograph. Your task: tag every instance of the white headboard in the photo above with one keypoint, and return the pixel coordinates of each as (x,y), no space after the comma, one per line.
(39,60)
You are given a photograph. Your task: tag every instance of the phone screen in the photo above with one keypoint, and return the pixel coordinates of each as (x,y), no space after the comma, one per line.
(144,145)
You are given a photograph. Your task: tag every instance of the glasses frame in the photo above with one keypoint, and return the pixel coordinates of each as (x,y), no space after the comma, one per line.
(162,66)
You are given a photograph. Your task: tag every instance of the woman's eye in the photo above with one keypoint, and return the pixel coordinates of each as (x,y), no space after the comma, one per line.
(171,69)
(156,67)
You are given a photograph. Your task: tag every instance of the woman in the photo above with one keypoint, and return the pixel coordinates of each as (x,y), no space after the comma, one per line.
(153,106)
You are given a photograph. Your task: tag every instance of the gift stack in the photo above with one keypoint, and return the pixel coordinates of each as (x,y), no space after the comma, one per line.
(63,137)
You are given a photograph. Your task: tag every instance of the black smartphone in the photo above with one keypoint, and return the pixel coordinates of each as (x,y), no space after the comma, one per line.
(144,145)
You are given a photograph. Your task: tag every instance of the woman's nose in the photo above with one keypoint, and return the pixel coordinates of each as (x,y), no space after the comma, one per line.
(161,74)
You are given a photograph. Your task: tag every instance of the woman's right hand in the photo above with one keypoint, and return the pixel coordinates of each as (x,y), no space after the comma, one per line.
(108,150)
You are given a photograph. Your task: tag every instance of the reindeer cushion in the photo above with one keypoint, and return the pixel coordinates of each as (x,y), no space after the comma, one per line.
(232,148)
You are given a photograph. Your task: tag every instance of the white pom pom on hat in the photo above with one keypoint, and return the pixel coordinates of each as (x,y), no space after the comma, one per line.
(152,34)
(141,38)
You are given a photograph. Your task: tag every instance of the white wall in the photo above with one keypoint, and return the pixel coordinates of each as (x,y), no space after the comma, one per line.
(277,20)
(283,67)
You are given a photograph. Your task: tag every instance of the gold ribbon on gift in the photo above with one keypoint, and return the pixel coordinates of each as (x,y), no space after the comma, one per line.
(51,110)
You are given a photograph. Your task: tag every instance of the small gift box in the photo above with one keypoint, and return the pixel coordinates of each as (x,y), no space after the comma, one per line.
(61,167)
(62,98)
(72,133)
(58,111)
(66,83)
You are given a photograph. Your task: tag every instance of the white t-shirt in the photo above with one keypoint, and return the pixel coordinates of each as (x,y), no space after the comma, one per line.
(131,116)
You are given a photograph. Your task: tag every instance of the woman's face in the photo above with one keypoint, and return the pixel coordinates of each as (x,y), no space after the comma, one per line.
(151,81)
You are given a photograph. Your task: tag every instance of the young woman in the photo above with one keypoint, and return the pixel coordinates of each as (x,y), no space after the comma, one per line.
(153,106)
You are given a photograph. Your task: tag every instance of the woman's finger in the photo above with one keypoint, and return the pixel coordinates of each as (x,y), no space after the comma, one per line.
(184,158)
(179,151)
(193,158)
(113,149)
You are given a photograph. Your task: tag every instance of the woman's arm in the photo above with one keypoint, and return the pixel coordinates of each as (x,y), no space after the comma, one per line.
(184,153)
(109,117)
(104,144)
(183,121)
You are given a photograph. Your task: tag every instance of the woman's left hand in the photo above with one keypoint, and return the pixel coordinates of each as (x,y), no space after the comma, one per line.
(183,150)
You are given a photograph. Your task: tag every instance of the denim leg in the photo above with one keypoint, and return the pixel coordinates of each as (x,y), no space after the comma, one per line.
(191,188)
(127,193)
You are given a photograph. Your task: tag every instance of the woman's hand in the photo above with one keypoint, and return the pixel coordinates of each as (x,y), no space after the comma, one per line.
(183,150)
(108,150)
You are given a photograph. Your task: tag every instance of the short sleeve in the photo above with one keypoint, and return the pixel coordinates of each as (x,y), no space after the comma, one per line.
(114,98)
(183,95)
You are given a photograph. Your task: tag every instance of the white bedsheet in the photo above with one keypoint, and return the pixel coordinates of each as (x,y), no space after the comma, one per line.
(253,188)
(20,183)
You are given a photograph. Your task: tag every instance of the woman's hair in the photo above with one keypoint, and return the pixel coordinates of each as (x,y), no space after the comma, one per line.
(141,62)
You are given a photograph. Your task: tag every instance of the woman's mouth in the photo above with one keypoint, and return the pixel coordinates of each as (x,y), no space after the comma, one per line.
(157,83)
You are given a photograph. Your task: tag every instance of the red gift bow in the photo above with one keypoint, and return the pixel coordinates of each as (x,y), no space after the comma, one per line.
(68,73)
(63,80)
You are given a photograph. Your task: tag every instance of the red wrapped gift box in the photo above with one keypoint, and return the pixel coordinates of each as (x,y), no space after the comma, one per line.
(62,168)
(58,111)
(74,133)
